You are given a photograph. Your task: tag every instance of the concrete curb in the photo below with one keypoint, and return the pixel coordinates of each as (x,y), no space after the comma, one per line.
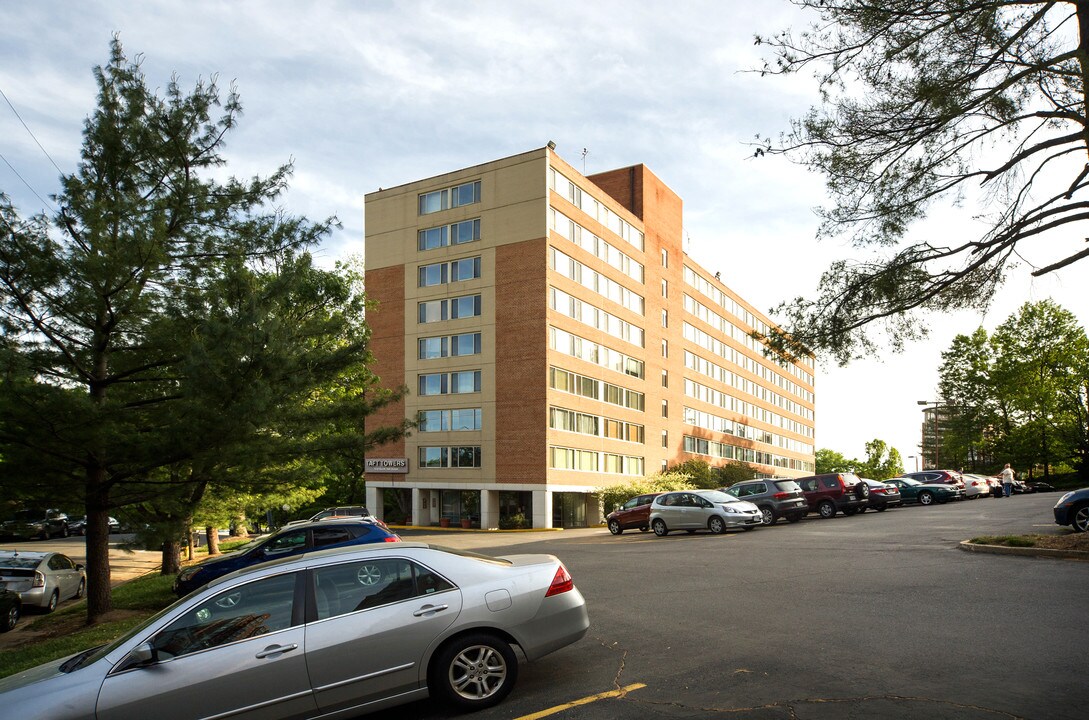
(1026,551)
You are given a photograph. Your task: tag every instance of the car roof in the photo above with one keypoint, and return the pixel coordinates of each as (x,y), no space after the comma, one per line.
(324,554)
(335,520)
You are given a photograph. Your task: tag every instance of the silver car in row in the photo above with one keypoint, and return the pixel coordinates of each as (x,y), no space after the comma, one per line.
(331,634)
(694,510)
(42,579)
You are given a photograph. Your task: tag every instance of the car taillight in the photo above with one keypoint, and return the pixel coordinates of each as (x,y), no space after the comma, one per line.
(781,496)
(39,579)
(391,538)
(561,583)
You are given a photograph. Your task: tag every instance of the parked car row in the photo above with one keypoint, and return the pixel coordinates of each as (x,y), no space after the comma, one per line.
(751,503)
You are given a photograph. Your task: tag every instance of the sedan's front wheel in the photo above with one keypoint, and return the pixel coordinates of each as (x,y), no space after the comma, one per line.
(475,671)
(1080,519)
(926,498)
(659,528)
(614,527)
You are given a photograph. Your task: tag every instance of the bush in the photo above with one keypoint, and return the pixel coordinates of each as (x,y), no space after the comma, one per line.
(517,521)
(615,495)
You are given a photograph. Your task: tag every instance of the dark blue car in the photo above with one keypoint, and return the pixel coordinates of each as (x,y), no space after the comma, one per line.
(1073,510)
(293,540)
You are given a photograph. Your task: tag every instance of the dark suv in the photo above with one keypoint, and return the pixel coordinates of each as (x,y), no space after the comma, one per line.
(834,492)
(635,513)
(775,497)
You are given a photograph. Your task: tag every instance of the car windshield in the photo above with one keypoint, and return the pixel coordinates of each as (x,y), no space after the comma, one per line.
(718,497)
(21,562)
(95,654)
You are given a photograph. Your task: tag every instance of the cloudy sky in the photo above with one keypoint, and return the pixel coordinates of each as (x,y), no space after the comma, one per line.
(361,95)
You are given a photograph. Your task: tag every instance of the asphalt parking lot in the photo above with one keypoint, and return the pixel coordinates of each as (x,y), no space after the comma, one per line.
(872,616)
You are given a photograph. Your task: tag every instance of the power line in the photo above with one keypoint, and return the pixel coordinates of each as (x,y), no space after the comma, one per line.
(44,201)
(29,131)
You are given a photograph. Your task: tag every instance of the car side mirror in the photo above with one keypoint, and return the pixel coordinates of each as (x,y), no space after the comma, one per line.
(141,655)
(79,567)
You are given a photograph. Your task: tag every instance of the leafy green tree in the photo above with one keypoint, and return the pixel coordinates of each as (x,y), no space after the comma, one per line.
(830,461)
(1038,351)
(970,406)
(698,471)
(164,324)
(924,102)
(881,463)
(732,473)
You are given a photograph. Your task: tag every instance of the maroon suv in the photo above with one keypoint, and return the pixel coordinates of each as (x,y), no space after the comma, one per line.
(635,513)
(830,493)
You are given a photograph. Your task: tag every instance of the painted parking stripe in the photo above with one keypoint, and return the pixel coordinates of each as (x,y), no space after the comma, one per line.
(583,701)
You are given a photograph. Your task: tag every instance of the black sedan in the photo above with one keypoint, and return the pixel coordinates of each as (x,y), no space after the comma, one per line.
(883,495)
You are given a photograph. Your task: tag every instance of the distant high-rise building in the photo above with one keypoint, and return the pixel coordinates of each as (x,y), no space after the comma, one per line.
(556,339)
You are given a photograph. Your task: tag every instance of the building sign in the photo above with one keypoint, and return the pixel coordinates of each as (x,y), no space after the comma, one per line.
(386,465)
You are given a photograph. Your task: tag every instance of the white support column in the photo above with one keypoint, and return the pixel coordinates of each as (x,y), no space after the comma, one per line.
(418,511)
(436,509)
(489,509)
(542,508)
(374,501)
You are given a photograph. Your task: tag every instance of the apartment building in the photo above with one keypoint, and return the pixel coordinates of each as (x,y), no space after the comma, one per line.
(556,339)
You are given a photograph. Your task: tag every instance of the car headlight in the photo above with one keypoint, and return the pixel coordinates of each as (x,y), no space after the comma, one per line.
(188,574)
(730,510)
(1063,499)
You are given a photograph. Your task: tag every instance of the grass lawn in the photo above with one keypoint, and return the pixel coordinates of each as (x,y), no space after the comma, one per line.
(65,632)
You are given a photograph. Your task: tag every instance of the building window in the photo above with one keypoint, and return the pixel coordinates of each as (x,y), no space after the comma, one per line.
(452,346)
(456,234)
(665,258)
(665,438)
(449,272)
(665,379)
(665,408)
(665,318)
(462,456)
(665,464)
(665,348)
(459,420)
(665,288)
(455,383)
(452,309)
(458,196)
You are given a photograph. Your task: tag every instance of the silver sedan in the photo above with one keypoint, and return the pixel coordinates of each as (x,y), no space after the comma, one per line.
(693,510)
(42,579)
(332,633)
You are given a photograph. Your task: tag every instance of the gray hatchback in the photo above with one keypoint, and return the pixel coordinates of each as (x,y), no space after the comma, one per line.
(776,498)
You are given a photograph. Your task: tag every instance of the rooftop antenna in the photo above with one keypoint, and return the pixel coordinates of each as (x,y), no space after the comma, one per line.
(585,152)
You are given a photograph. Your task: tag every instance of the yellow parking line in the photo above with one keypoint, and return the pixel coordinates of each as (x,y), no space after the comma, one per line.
(583,701)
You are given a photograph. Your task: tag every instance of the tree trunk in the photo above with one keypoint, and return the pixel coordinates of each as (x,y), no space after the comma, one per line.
(240,528)
(97,543)
(171,557)
(211,534)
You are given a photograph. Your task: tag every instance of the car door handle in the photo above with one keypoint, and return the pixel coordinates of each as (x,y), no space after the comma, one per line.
(429,610)
(275,650)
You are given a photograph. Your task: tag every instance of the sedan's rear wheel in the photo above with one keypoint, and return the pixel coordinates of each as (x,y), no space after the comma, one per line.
(1080,519)
(11,617)
(659,528)
(716,525)
(827,509)
(769,516)
(475,671)
(926,498)
(53,600)
(614,527)
(81,588)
